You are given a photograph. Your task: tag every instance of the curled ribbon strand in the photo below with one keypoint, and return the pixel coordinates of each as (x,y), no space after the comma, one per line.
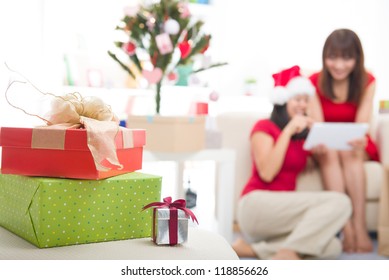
(177,204)
(91,113)
(12,82)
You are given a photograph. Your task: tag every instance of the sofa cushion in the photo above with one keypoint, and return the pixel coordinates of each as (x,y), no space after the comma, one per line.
(310,180)
(375,177)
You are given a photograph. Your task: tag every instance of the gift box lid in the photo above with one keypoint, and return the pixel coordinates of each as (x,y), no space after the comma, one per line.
(164,214)
(64,139)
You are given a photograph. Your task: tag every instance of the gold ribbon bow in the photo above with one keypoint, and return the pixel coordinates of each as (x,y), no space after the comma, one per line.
(74,111)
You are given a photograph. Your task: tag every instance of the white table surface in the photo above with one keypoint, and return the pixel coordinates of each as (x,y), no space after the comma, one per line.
(201,245)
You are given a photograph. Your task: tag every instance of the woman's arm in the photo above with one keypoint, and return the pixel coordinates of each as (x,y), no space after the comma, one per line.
(364,114)
(268,155)
(365,107)
(314,109)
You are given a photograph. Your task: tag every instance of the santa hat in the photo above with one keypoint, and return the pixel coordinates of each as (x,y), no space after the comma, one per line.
(289,83)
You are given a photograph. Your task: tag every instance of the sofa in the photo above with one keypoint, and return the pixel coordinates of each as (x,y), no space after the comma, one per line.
(235,128)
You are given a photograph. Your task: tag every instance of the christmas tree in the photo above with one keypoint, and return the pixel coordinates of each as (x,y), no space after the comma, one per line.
(161,36)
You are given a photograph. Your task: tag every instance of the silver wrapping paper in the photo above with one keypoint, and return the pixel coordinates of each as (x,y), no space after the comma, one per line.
(161,224)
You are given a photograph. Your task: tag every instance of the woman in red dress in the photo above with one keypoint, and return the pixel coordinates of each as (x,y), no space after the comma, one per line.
(277,221)
(344,93)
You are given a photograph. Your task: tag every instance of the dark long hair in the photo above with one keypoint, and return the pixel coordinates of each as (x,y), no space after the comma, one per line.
(281,118)
(344,43)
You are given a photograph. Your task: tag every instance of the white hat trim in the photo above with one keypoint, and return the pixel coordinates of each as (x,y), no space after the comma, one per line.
(298,85)
(279,95)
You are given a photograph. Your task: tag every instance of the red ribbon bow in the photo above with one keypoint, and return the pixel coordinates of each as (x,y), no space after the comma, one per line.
(173,222)
(177,204)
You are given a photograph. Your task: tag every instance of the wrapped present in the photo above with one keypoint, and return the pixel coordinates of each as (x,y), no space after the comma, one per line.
(198,108)
(56,152)
(50,212)
(170,221)
(384,106)
(171,133)
(82,139)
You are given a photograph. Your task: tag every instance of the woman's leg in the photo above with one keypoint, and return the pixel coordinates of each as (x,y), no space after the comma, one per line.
(355,179)
(333,179)
(269,249)
(299,222)
(331,251)
(243,249)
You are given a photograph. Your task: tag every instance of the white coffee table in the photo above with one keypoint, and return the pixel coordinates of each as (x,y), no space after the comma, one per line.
(201,245)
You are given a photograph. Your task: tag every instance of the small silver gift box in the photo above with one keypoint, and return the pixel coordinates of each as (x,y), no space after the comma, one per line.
(162,225)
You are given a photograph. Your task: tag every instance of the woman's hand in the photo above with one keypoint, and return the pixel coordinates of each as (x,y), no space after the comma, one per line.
(358,144)
(298,123)
(320,149)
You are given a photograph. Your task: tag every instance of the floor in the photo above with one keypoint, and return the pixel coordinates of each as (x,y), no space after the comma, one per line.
(346,256)
(368,256)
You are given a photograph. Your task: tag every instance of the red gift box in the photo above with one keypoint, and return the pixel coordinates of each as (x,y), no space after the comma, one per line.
(199,108)
(65,152)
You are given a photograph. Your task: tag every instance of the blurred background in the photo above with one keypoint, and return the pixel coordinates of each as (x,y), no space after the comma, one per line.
(61,46)
(54,43)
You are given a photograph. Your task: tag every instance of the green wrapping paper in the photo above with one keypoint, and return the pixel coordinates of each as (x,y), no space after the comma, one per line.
(50,212)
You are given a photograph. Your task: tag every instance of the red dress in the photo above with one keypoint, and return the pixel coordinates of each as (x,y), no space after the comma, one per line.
(343,112)
(294,163)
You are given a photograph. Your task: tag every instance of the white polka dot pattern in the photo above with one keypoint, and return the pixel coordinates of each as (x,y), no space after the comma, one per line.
(51,212)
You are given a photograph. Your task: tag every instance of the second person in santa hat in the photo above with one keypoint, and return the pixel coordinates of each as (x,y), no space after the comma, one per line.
(276,221)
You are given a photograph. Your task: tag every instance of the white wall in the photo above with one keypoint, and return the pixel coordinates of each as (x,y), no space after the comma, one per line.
(257,38)
(261,37)
(21,48)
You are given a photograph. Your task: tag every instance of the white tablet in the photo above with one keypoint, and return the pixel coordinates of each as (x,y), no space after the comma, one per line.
(335,135)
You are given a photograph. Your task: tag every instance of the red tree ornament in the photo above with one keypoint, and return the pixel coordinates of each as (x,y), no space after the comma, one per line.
(185,49)
(129,48)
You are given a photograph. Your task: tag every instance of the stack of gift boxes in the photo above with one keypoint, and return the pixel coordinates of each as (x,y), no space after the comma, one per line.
(52,194)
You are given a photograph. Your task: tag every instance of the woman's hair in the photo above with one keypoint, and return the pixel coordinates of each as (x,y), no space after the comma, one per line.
(344,43)
(280,117)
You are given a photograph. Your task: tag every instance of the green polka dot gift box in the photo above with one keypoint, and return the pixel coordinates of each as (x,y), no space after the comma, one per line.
(50,212)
